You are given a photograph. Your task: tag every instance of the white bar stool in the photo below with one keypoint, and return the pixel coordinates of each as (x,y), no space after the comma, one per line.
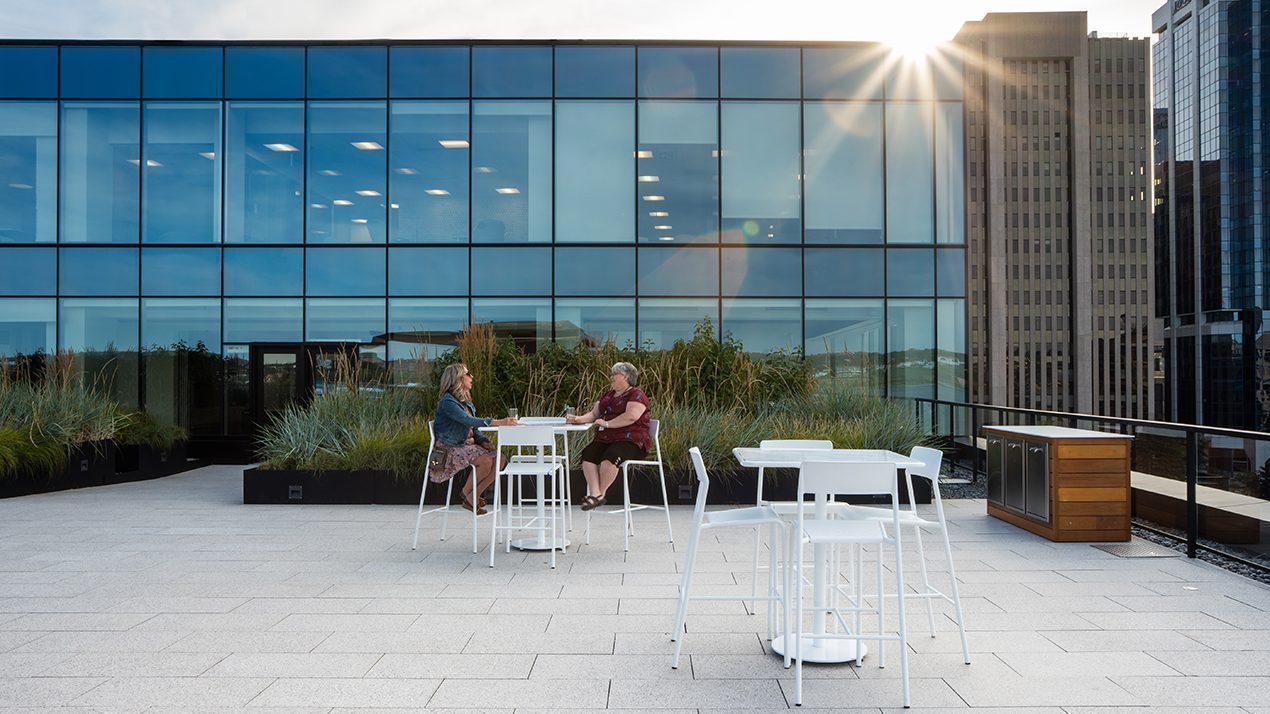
(654,431)
(449,487)
(546,469)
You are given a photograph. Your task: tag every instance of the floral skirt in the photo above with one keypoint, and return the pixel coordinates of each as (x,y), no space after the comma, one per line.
(457,458)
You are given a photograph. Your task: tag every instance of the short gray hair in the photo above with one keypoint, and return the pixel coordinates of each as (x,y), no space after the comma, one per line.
(628,370)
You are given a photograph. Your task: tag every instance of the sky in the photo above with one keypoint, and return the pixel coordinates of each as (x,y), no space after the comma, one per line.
(886,20)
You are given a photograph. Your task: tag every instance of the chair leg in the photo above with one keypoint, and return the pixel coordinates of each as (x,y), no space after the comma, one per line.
(493,521)
(665,502)
(798,630)
(552,515)
(445,512)
(903,633)
(772,547)
(956,595)
(423,489)
(476,499)
(628,526)
(568,487)
(926,589)
(514,497)
(881,612)
(857,561)
(685,587)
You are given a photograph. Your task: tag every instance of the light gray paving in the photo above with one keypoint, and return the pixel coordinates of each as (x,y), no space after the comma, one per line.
(171,595)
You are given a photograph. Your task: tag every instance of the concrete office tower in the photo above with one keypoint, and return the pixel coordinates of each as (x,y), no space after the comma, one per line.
(1060,256)
(1211,145)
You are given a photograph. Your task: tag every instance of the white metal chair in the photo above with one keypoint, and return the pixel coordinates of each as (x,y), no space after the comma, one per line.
(654,431)
(929,470)
(756,517)
(825,480)
(449,487)
(548,505)
(785,507)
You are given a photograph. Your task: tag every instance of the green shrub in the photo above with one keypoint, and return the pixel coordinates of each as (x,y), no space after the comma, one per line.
(144,430)
(29,453)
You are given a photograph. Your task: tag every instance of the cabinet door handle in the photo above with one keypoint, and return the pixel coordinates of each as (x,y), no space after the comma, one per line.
(1014,446)
(1036,449)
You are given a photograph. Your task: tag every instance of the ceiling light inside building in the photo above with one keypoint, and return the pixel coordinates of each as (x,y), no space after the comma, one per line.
(317,205)
(662,228)
(406,171)
(454,143)
(667,238)
(659,214)
(329,172)
(359,220)
(436,192)
(342,202)
(209,155)
(649,179)
(280,147)
(367,192)
(654,198)
(483,170)
(367,145)
(507,190)
(643,154)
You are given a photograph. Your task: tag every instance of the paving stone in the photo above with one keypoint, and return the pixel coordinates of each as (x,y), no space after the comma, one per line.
(44,692)
(1091,664)
(1043,691)
(728,694)
(293,664)
(134,664)
(360,693)
(1118,640)
(827,693)
(454,666)
(1198,692)
(226,642)
(183,692)
(551,694)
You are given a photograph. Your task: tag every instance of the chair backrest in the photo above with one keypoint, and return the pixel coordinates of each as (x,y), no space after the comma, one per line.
(777,444)
(847,478)
(703,484)
(931,460)
(654,427)
(540,436)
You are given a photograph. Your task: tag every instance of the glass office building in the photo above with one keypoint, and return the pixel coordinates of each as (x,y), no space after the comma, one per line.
(184,216)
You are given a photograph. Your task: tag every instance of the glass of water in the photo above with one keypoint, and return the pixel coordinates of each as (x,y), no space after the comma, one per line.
(514,413)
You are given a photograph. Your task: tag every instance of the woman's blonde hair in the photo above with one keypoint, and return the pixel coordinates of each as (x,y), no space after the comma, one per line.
(452,382)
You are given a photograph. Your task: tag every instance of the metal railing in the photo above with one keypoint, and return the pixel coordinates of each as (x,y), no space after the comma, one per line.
(961,421)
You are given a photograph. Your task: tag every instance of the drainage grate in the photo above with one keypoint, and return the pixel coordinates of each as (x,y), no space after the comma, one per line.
(1138,550)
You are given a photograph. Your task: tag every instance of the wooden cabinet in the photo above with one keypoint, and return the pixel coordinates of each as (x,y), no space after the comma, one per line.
(1063,484)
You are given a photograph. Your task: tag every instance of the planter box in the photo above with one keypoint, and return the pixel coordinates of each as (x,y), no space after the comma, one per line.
(87,465)
(266,486)
(134,462)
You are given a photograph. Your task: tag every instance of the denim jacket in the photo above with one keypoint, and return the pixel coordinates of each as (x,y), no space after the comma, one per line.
(454,418)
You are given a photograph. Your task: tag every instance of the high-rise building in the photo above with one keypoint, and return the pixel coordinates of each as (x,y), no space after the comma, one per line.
(194,220)
(1057,191)
(1212,148)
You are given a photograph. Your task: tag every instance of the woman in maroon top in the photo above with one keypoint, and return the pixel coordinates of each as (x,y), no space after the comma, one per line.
(621,417)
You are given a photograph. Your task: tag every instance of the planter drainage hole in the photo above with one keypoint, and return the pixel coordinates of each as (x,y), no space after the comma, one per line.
(295,493)
(1138,550)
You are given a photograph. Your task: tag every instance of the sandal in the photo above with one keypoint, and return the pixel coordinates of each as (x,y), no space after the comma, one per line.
(592,502)
(480,509)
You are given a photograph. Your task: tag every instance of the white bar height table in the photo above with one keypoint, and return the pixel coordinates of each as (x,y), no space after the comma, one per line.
(542,541)
(819,649)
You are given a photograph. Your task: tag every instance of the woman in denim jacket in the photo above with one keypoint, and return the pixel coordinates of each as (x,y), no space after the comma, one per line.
(455,427)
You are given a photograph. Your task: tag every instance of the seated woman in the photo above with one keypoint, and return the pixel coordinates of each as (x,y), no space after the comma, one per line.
(455,428)
(622,418)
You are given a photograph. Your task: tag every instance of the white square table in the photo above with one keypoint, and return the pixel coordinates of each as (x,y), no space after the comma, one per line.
(561,428)
(816,649)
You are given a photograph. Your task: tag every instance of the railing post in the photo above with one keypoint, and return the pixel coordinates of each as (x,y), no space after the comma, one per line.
(1192,484)
(974,443)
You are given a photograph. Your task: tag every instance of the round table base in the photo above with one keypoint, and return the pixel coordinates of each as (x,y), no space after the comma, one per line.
(543,544)
(835,650)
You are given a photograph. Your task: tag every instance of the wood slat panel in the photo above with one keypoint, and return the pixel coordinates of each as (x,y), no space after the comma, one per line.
(1092,523)
(1086,466)
(1092,508)
(1092,494)
(1108,480)
(1115,535)
(1091,451)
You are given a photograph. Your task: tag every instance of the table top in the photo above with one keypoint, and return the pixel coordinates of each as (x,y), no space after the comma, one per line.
(751,457)
(1057,432)
(556,423)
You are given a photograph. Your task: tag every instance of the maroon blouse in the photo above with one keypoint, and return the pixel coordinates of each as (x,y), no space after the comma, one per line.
(613,406)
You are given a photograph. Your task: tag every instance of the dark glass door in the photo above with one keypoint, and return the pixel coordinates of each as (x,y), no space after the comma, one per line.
(290,373)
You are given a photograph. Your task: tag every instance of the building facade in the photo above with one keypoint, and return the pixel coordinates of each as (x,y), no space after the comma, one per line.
(185,217)
(1060,257)
(1210,111)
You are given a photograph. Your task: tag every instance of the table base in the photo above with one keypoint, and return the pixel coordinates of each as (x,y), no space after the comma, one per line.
(543,544)
(835,650)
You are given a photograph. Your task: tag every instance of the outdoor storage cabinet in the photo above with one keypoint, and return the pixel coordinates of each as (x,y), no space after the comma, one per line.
(1063,484)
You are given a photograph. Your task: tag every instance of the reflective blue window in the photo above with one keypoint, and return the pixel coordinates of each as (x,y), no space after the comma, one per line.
(844,172)
(180,341)
(595,271)
(764,326)
(428,71)
(664,322)
(595,171)
(28,172)
(101,72)
(678,172)
(27,327)
(101,149)
(511,71)
(264,175)
(511,165)
(348,72)
(759,72)
(103,335)
(264,72)
(911,347)
(761,272)
(263,320)
(950,366)
(595,71)
(845,272)
(98,271)
(910,272)
(910,189)
(344,320)
(595,321)
(526,321)
(761,165)
(950,272)
(844,72)
(346,172)
(422,329)
(181,72)
(180,271)
(344,271)
(678,271)
(428,184)
(29,72)
(181,183)
(950,182)
(427,271)
(28,271)
(264,271)
(511,271)
(678,72)
(845,342)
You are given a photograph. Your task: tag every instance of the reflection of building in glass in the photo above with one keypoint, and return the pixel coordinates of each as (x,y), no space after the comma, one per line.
(1060,276)
(1210,206)
(250,201)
